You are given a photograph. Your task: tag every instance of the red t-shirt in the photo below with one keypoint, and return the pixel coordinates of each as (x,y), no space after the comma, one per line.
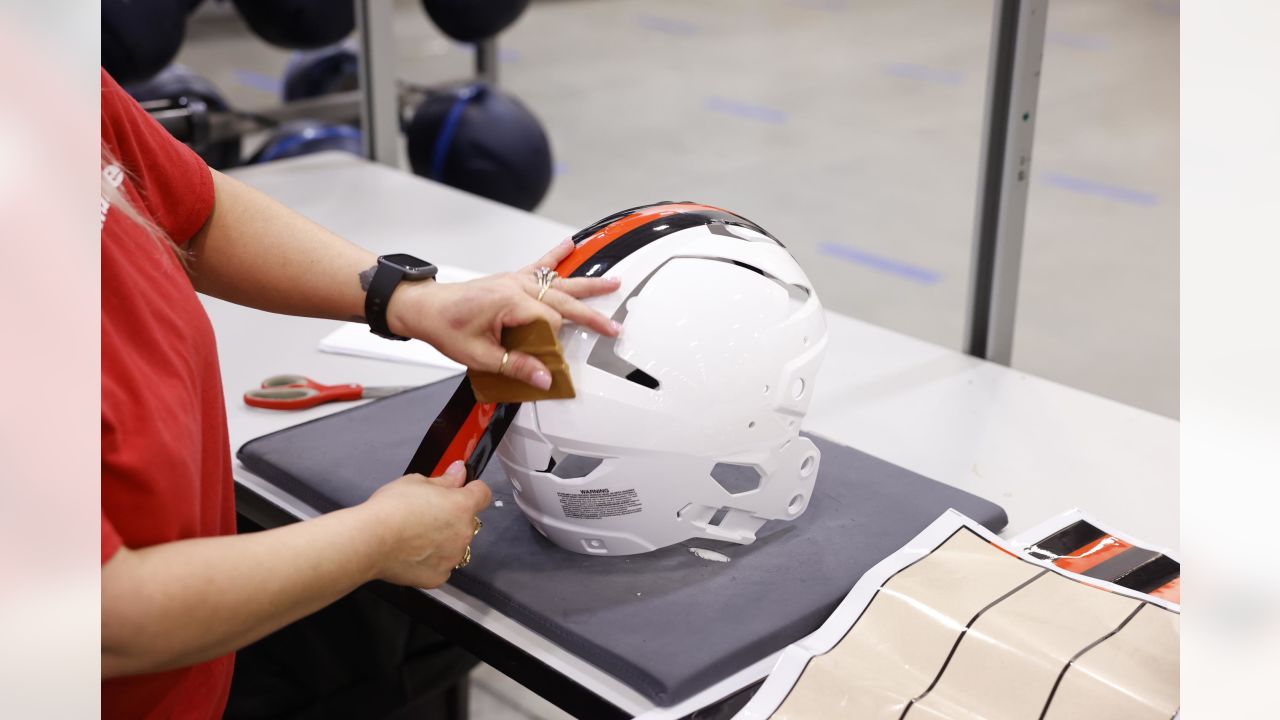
(166,463)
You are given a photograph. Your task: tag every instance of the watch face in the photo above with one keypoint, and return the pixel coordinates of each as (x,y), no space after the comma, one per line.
(409,264)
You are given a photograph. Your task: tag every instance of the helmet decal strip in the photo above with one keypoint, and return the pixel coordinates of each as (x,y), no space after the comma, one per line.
(624,245)
(590,245)
(450,434)
(648,218)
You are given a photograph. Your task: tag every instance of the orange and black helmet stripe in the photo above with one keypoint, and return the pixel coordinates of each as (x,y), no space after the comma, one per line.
(469,430)
(608,241)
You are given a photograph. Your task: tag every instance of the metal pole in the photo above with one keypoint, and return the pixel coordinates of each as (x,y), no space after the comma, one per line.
(487,60)
(1013,84)
(380,105)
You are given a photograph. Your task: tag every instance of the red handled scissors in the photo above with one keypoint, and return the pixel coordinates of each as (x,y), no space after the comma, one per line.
(296,392)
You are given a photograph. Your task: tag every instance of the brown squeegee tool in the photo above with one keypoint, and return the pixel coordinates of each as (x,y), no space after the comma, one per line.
(482,408)
(536,339)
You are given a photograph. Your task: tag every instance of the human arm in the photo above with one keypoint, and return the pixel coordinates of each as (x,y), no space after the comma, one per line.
(179,603)
(256,252)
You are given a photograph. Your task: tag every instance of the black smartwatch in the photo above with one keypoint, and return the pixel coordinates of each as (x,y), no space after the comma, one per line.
(391,270)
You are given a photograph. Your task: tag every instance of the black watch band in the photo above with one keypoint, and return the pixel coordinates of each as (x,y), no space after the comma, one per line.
(392,269)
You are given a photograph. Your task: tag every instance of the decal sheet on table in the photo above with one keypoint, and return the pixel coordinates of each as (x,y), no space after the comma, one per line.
(958,626)
(1079,543)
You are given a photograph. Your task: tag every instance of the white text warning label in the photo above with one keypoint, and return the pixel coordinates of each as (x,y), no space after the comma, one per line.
(599,503)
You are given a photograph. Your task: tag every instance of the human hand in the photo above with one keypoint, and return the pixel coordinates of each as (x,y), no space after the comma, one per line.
(424,525)
(465,320)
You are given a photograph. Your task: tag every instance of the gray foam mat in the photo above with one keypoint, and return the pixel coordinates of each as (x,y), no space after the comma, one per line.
(667,623)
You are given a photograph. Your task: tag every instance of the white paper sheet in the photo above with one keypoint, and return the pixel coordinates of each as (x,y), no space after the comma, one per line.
(355,339)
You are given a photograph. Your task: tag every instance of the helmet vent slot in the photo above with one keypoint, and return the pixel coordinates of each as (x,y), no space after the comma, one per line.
(575,466)
(718,517)
(736,479)
(726,229)
(641,377)
(604,354)
(604,357)
(797,293)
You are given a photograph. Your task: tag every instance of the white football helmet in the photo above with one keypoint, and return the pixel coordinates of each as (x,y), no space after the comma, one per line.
(687,425)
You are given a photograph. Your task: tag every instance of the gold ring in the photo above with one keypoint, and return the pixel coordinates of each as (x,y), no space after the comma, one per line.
(476,525)
(466,559)
(503,365)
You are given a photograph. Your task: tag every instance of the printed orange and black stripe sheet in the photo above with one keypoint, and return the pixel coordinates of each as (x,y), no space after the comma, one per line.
(1082,547)
(959,626)
(469,430)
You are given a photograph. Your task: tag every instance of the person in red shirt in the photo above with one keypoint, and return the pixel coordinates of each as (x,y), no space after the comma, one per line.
(181,591)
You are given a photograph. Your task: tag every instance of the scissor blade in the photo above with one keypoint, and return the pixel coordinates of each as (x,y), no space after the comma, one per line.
(379,391)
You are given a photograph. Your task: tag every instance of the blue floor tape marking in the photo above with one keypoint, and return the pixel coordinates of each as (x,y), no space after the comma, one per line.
(924,276)
(1091,187)
(749,111)
(1079,41)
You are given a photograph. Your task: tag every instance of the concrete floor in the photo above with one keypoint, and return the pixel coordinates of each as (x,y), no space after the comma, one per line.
(850,129)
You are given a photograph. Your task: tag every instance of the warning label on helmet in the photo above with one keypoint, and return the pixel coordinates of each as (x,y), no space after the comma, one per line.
(599,503)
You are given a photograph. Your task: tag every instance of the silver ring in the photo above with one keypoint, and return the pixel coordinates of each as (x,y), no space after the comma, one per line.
(545,277)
